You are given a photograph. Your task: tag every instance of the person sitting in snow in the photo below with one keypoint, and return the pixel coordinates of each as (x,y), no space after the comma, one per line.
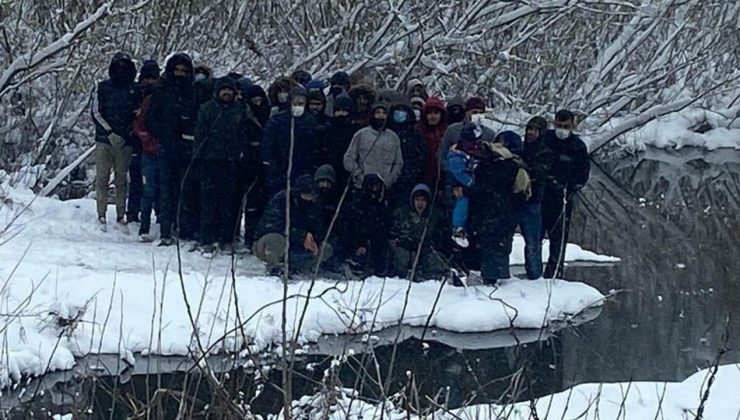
(306,230)
(407,231)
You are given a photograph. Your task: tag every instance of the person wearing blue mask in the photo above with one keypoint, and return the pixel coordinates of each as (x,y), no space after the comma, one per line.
(413,150)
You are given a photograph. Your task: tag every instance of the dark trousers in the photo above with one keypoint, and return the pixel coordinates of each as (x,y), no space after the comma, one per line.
(530,224)
(152,179)
(135,187)
(556,225)
(187,201)
(251,195)
(495,240)
(217,192)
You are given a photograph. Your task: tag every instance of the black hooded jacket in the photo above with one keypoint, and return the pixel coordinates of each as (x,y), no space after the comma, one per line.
(222,127)
(174,110)
(413,149)
(118,98)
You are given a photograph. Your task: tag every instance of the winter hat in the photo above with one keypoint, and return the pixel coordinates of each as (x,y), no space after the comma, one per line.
(301,76)
(326,172)
(340,78)
(475,102)
(417,102)
(149,70)
(304,184)
(202,68)
(539,123)
(225,83)
(243,85)
(316,84)
(421,189)
(413,83)
(511,140)
(253,91)
(316,95)
(343,102)
(297,91)
(377,105)
(122,69)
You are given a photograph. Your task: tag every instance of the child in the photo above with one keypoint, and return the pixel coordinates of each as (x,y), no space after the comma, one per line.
(461,162)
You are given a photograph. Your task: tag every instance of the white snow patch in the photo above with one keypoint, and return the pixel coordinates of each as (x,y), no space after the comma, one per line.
(70,290)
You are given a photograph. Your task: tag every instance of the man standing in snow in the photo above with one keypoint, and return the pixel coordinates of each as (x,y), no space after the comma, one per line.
(220,138)
(569,173)
(338,84)
(172,119)
(432,127)
(117,102)
(375,150)
(529,214)
(293,132)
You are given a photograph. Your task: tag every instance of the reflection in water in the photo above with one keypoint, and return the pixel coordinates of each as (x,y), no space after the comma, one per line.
(674,220)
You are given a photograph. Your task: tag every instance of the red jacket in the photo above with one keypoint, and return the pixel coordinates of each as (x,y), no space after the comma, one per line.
(149,143)
(432,136)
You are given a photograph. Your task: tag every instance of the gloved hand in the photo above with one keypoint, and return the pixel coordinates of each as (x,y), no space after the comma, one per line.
(116,141)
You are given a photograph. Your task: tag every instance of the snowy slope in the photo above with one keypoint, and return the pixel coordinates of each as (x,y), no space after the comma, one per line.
(127,297)
(631,401)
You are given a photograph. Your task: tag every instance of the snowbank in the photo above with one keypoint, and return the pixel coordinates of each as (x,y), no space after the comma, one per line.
(638,401)
(70,290)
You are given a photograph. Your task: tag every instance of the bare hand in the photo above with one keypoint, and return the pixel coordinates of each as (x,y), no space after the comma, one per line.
(309,244)
(457,192)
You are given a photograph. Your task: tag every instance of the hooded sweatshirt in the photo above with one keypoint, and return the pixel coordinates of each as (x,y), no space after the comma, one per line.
(432,136)
(118,99)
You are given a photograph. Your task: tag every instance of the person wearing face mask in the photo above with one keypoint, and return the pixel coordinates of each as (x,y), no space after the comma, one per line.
(416,88)
(336,139)
(375,150)
(417,104)
(475,109)
(338,84)
(432,127)
(294,129)
(220,138)
(203,83)
(118,100)
(413,150)
(174,111)
(279,94)
(570,170)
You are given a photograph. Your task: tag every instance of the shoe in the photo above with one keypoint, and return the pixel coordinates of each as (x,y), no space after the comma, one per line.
(102,224)
(276,271)
(166,242)
(121,221)
(208,251)
(460,238)
(192,246)
(459,279)
(228,249)
(145,237)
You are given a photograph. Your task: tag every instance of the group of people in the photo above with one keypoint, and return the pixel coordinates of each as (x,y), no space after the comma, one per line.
(331,174)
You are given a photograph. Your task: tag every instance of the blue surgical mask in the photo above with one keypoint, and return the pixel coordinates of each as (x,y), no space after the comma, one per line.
(400,116)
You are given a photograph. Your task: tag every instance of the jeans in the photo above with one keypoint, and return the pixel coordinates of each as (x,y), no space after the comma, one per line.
(151,196)
(530,223)
(460,212)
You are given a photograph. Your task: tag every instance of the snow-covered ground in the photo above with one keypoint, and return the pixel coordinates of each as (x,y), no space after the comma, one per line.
(127,298)
(634,401)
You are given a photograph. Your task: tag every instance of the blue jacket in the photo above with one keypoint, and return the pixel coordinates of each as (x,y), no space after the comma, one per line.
(275,148)
(461,166)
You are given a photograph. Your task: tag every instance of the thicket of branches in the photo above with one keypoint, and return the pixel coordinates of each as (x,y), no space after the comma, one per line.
(599,57)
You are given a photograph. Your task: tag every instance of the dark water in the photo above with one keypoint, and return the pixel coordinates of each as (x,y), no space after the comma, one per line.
(672,217)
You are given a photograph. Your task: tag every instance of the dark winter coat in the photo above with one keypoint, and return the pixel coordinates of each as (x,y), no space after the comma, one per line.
(275,148)
(261,113)
(365,219)
(571,164)
(432,136)
(492,198)
(305,217)
(174,110)
(118,99)
(221,131)
(413,149)
(539,160)
(452,135)
(280,84)
(333,144)
(408,225)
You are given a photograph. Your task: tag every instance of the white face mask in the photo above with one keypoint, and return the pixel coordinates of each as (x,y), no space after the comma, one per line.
(282,97)
(417,113)
(298,110)
(200,76)
(562,133)
(477,119)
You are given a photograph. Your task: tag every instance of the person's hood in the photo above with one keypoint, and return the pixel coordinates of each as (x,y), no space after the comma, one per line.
(340,78)
(512,141)
(281,83)
(421,189)
(149,70)
(302,77)
(410,121)
(539,123)
(327,172)
(377,105)
(373,180)
(343,101)
(179,59)
(316,84)
(432,103)
(414,83)
(203,68)
(122,70)
(253,91)
(361,90)
(225,83)
(456,100)
(304,184)
(314,94)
